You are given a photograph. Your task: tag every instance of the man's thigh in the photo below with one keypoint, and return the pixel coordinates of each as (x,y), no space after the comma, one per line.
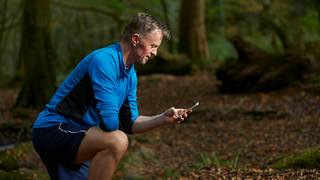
(60,143)
(97,140)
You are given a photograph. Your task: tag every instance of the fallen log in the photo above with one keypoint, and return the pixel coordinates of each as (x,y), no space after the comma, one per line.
(165,63)
(256,70)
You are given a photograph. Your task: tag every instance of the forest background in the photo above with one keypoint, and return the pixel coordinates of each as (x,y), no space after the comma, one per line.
(41,41)
(76,28)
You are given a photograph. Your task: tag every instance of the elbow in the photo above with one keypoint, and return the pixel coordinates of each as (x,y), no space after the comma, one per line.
(127,127)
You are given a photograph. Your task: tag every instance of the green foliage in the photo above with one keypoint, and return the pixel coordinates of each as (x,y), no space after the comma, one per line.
(137,158)
(21,162)
(208,159)
(3,174)
(24,173)
(310,21)
(221,49)
(306,159)
(195,166)
(265,43)
(77,32)
(171,174)
(228,163)
(15,158)
(298,20)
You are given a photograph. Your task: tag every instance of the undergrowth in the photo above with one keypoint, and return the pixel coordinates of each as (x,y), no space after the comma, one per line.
(306,159)
(213,159)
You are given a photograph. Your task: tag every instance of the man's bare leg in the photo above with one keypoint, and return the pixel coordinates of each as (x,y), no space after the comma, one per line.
(104,150)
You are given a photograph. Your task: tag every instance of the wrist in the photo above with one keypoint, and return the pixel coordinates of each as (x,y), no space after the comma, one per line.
(163,118)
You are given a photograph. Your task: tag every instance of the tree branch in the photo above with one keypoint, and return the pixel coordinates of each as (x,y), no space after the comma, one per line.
(87,8)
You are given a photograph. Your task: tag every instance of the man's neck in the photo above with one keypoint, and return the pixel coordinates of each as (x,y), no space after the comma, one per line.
(126,51)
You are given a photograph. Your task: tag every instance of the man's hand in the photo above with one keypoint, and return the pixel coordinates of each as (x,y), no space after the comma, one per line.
(172,114)
(146,123)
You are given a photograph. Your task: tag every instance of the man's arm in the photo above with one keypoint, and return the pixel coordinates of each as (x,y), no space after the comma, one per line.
(146,123)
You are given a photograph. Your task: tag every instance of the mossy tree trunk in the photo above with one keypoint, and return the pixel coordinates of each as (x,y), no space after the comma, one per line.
(36,55)
(193,40)
(276,23)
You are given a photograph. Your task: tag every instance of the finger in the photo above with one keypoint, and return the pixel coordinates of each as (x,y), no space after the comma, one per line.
(181,118)
(175,112)
(177,120)
(185,115)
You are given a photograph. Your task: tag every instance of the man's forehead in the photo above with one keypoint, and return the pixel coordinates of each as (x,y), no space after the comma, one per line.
(155,33)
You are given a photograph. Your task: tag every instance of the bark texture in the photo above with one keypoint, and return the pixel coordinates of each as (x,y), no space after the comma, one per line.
(193,39)
(36,55)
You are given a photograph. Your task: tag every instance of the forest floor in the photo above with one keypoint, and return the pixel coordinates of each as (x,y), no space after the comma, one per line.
(254,128)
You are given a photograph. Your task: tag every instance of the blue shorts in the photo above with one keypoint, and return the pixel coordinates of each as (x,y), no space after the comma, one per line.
(57,147)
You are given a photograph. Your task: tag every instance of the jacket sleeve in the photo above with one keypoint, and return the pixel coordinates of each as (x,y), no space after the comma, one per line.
(103,72)
(129,110)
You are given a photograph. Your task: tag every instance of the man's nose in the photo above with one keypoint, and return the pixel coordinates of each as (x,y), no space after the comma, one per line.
(154,52)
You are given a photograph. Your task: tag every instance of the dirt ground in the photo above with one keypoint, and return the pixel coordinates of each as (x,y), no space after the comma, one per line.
(258,127)
(266,125)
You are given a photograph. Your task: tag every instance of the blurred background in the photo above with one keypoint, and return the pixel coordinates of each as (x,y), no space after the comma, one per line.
(46,39)
(217,48)
(78,27)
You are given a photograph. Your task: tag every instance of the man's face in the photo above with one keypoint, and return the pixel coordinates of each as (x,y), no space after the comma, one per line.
(147,46)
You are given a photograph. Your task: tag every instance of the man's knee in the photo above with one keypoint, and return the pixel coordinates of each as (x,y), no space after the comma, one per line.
(119,142)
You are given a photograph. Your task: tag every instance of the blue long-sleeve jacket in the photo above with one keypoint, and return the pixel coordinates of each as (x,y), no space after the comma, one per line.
(99,92)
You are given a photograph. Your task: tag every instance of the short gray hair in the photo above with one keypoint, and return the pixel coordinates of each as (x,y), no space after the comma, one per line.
(144,24)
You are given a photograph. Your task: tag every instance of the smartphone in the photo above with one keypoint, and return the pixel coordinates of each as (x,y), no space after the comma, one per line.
(188,110)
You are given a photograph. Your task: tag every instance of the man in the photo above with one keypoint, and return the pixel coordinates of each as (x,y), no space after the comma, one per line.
(77,135)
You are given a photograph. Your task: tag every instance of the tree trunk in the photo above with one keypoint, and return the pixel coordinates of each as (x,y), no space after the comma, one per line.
(3,19)
(37,56)
(166,15)
(2,25)
(193,39)
(269,16)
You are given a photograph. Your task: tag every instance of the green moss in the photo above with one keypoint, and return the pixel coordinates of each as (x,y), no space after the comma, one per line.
(21,163)
(137,157)
(24,174)
(171,174)
(3,174)
(307,159)
(18,157)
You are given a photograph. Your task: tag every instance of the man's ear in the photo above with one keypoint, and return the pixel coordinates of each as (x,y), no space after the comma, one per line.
(135,39)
